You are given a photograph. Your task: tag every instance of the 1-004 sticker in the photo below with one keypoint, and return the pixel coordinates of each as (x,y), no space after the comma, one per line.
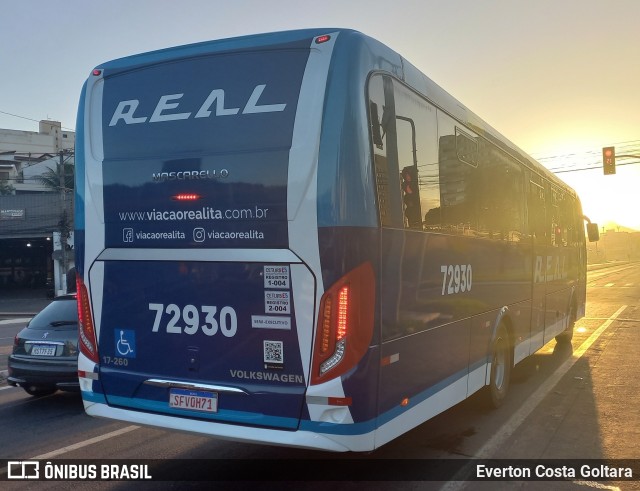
(190,319)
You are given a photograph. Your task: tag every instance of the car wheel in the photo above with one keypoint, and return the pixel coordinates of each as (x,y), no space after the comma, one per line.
(36,391)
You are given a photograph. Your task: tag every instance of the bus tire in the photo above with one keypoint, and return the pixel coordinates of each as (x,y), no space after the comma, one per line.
(496,392)
(567,335)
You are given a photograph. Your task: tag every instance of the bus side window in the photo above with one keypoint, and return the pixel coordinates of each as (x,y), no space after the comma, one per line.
(481,186)
(568,221)
(458,181)
(416,127)
(385,163)
(501,199)
(559,220)
(536,210)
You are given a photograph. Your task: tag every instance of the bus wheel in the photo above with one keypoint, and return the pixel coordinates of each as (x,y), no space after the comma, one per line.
(567,335)
(496,392)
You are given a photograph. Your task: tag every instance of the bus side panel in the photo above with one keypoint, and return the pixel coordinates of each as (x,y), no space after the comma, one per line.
(425,335)
(561,280)
(440,298)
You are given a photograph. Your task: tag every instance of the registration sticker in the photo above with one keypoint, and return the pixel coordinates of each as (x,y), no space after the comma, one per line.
(276,276)
(276,301)
(43,350)
(194,400)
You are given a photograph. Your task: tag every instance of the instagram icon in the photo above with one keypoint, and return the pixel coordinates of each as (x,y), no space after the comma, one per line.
(198,234)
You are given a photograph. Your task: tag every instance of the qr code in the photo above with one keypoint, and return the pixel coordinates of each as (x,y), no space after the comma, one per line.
(273,352)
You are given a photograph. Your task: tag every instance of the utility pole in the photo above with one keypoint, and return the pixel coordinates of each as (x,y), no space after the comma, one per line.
(63,223)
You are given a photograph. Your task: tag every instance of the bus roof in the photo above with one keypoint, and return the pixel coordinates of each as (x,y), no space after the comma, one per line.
(411,75)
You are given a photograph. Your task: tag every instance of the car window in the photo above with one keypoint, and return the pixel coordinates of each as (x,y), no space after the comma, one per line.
(57,314)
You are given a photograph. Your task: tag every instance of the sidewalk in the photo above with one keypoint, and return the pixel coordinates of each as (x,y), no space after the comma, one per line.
(608,264)
(22,303)
(591,415)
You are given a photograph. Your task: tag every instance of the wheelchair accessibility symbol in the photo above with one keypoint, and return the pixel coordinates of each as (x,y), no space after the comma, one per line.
(126,343)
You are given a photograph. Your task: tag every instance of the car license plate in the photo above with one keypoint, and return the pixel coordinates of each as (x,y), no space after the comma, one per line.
(43,350)
(194,400)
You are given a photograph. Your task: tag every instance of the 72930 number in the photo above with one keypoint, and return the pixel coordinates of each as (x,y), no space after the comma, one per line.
(456,278)
(191,319)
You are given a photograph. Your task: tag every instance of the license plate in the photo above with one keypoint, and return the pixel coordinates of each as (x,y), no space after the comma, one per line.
(43,350)
(194,400)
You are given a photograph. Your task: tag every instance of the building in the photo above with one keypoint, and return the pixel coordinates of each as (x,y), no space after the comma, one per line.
(50,138)
(35,209)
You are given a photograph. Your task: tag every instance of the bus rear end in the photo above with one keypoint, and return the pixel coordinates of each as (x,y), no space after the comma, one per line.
(199,280)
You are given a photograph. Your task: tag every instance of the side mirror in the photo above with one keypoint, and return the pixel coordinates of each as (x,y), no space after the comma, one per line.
(592,232)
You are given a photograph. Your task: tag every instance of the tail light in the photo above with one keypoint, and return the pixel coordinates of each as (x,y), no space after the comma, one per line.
(87,334)
(345,324)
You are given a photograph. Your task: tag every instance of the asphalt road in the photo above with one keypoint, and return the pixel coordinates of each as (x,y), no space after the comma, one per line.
(579,403)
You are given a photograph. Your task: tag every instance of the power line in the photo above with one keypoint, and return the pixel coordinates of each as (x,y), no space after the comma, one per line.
(629,144)
(31,119)
(569,162)
(560,171)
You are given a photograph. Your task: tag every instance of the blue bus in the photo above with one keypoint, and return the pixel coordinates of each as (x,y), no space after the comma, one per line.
(299,239)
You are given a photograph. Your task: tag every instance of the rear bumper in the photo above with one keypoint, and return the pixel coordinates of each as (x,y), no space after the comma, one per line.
(94,406)
(62,374)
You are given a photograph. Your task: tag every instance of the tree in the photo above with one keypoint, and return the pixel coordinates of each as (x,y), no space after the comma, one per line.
(6,188)
(51,178)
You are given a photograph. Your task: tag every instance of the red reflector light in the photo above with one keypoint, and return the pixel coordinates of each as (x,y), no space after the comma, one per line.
(97,73)
(323,39)
(186,197)
(339,401)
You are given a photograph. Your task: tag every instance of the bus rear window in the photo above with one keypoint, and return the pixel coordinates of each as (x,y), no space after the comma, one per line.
(196,152)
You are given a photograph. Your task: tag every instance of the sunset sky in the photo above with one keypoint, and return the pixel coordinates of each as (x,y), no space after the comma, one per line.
(560,78)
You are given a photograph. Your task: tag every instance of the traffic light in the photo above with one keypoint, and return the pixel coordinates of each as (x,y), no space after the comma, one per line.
(609,160)
(411,196)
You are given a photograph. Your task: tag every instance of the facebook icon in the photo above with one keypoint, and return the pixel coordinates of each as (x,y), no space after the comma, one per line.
(127,235)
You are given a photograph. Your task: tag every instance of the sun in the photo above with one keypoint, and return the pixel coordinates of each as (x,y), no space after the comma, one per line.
(608,199)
